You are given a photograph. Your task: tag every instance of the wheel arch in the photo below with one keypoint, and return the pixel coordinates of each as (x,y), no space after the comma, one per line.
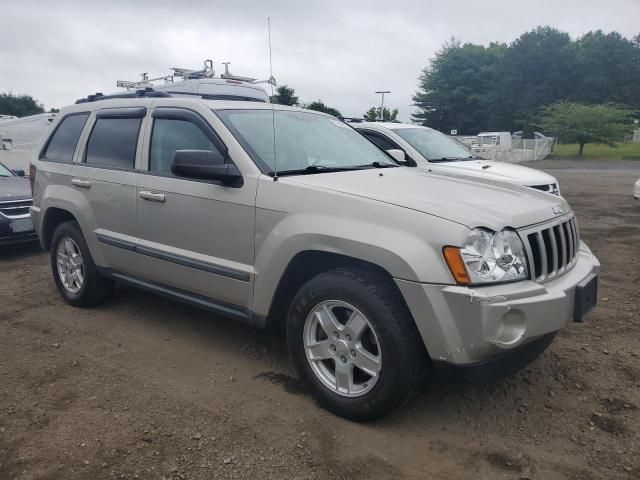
(306,265)
(54,216)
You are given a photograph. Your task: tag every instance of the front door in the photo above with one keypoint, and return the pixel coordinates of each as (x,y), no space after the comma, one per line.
(194,236)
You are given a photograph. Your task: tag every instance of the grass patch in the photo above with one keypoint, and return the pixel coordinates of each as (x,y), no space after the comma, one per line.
(623,151)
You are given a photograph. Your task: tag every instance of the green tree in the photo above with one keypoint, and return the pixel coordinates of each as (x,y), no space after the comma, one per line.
(453,90)
(373,114)
(285,95)
(319,106)
(583,124)
(19,105)
(502,87)
(535,70)
(606,68)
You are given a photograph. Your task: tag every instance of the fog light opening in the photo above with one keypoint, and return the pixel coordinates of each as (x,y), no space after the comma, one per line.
(511,328)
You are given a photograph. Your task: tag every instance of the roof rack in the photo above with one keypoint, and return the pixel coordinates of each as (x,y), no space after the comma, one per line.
(144,92)
(353,119)
(188,74)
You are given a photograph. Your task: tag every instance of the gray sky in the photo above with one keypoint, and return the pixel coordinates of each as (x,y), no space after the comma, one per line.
(338,51)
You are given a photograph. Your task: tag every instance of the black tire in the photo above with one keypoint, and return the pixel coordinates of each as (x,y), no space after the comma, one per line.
(404,358)
(95,288)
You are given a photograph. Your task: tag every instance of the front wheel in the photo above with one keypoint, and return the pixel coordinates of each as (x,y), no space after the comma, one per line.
(354,342)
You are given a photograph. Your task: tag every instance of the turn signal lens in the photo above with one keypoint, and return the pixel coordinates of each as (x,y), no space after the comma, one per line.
(456,265)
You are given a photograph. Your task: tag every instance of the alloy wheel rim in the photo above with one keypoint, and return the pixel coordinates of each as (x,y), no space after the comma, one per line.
(342,348)
(70,265)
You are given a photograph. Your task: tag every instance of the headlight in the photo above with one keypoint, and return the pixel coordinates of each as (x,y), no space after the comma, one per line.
(488,257)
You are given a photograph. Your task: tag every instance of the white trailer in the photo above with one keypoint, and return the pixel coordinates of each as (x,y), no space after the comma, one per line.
(20,137)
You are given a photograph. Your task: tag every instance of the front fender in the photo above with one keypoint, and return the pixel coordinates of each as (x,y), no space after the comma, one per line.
(280,237)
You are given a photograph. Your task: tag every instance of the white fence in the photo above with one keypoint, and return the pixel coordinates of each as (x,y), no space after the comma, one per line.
(512,151)
(527,150)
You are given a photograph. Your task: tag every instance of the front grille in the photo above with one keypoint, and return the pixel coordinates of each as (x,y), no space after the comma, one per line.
(550,188)
(553,249)
(15,208)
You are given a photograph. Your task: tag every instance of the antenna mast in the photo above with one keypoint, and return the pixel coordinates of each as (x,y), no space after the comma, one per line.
(273,112)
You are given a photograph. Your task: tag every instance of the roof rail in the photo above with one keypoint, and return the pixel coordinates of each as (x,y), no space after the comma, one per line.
(148,92)
(353,119)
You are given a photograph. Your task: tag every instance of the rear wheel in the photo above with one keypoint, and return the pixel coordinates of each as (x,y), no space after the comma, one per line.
(353,341)
(74,272)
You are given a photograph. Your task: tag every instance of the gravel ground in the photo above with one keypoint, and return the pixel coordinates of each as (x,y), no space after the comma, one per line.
(143,387)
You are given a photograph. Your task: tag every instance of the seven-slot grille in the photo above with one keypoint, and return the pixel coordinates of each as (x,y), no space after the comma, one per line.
(15,208)
(553,249)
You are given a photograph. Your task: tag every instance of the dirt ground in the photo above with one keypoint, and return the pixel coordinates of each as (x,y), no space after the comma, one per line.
(146,388)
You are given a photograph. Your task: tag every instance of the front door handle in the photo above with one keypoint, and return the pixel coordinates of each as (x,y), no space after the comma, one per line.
(80,183)
(152,196)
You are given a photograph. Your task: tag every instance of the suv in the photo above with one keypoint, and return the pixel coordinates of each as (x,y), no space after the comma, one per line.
(430,149)
(380,273)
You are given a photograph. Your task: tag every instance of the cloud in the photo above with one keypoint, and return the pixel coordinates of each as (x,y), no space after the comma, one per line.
(337,51)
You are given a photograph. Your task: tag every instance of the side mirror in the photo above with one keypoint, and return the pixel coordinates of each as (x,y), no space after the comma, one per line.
(19,172)
(397,154)
(205,165)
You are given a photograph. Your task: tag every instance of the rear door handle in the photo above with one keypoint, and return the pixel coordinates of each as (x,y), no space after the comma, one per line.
(80,183)
(152,196)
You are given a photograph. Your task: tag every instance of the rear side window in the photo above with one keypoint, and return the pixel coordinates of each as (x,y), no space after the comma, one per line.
(113,142)
(64,140)
(172,134)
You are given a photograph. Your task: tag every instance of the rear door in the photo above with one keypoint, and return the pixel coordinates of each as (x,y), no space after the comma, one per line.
(195,236)
(106,176)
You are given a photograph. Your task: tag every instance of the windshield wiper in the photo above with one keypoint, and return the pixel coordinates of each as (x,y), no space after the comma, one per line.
(381,165)
(455,159)
(314,169)
(447,159)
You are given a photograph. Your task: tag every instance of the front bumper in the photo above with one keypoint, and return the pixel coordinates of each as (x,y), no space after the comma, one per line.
(467,325)
(10,235)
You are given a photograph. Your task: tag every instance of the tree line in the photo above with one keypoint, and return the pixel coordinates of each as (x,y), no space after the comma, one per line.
(19,105)
(472,87)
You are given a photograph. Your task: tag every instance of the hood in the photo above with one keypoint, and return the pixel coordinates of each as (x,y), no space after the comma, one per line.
(466,200)
(14,188)
(497,171)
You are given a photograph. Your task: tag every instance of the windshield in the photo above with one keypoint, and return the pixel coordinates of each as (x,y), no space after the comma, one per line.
(305,142)
(5,172)
(433,145)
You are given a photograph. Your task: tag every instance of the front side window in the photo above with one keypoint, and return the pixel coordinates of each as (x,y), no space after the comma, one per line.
(5,172)
(383,142)
(304,141)
(433,145)
(65,138)
(113,142)
(169,135)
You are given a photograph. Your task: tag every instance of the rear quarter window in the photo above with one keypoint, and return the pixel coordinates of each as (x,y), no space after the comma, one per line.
(113,142)
(64,140)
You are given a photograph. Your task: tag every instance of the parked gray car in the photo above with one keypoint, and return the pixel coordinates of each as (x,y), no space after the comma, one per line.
(15,200)
(380,273)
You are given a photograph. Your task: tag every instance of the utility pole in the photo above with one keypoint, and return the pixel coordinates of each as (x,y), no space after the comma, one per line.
(382,92)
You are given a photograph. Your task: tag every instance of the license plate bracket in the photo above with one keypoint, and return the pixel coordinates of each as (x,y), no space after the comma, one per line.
(586,297)
(21,225)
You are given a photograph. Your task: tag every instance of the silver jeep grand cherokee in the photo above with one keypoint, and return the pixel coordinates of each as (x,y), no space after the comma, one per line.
(380,273)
